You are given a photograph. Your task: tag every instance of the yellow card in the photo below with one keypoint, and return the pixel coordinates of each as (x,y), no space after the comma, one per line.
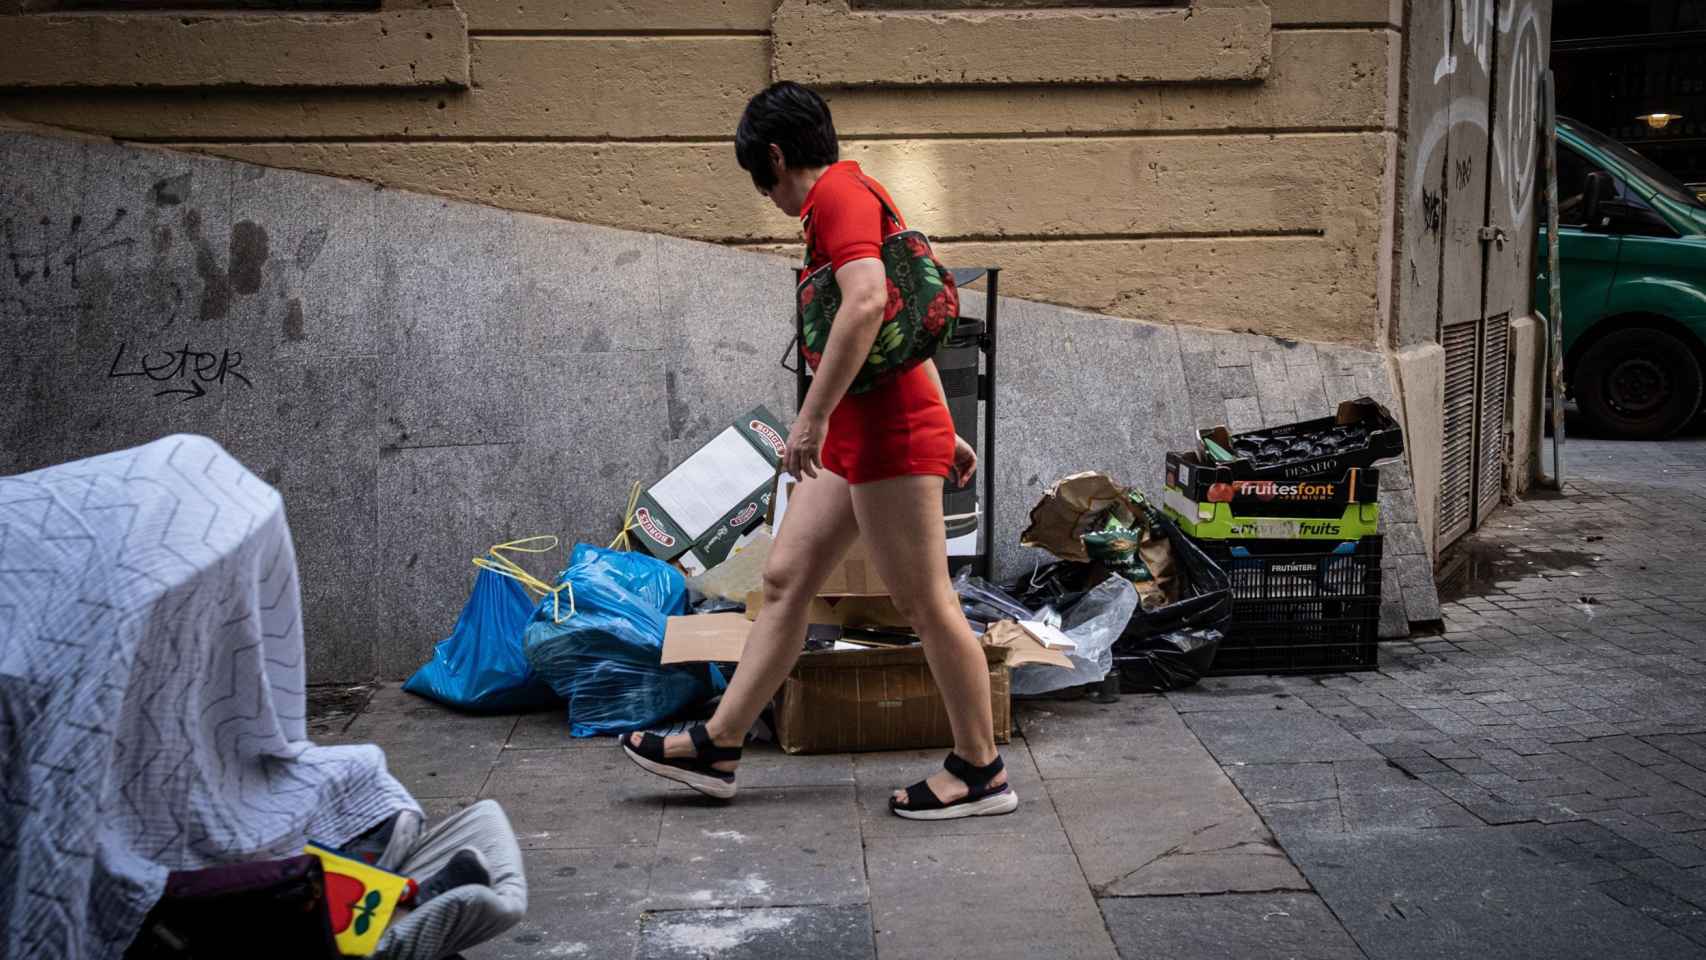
(361,897)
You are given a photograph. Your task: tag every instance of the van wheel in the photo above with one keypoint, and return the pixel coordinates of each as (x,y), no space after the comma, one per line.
(1638,384)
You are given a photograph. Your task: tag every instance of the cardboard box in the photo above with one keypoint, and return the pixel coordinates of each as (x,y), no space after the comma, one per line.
(855,700)
(1218,521)
(696,513)
(1197,479)
(847,701)
(1383,439)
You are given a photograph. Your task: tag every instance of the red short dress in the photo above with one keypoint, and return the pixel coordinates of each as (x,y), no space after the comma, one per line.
(902,428)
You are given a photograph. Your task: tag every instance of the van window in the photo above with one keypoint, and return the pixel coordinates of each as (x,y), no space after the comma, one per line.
(1630,214)
(1573,170)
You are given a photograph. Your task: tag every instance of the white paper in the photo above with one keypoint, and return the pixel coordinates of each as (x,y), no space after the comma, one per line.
(1049,637)
(712,482)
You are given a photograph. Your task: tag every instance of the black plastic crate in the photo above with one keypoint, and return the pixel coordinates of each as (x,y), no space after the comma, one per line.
(1360,434)
(1299,607)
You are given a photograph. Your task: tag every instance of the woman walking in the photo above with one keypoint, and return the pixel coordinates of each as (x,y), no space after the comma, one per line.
(871,464)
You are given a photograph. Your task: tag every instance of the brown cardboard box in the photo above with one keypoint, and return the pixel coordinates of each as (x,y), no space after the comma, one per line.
(856,576)
(846,701)
(851,700)
(853,596)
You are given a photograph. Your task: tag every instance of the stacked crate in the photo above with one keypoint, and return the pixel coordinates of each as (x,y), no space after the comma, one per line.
(1292,514)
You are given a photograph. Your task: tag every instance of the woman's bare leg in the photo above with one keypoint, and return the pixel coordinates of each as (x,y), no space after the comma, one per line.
(900,521)
(815,535)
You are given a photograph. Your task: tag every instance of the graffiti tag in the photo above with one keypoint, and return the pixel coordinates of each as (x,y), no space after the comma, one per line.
(191,367)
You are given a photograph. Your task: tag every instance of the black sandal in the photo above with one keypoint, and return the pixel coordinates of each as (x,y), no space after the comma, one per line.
(695,771)
(981,800)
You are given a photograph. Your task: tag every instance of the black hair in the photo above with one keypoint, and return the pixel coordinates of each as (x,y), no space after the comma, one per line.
(793,118)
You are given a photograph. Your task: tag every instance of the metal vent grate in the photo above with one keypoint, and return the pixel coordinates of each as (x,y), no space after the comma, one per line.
(1457,467)
(1490,428)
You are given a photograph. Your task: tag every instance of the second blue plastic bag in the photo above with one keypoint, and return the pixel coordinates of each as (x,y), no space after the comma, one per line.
(480,666)
(604,659)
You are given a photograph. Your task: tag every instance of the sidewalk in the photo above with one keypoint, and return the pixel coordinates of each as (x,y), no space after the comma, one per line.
(1529,783)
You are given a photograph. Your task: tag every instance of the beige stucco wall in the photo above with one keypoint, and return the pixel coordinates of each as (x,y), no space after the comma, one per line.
(1227,165)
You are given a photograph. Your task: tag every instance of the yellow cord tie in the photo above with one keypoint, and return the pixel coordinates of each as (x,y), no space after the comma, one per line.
(504,566)
(623,541)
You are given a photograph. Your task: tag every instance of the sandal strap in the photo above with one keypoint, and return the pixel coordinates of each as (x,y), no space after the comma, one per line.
(650,746)
(919,796)
(708,751)
(976,779)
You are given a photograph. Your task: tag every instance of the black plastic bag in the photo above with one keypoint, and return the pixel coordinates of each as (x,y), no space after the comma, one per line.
(1060,584)
(1170,661)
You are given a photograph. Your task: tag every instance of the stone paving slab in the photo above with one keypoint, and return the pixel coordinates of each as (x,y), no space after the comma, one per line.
(1248,926)
(773,847)
(1034,827)
(559,799)
(1280,734)
(582,902)
(1470,892)
(547,730)
(773,933)
(1196,834)
(949,899)
(1134,737)
(436,752)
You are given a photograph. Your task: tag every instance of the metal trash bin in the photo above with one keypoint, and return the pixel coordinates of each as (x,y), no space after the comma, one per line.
(967,366)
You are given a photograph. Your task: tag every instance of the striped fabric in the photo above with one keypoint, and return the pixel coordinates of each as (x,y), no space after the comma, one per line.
(152,702)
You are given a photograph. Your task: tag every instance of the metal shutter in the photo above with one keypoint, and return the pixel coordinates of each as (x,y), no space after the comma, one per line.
(1490,429)
(1457,467)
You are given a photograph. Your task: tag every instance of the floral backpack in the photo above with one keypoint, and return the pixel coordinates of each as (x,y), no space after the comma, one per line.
(922,310)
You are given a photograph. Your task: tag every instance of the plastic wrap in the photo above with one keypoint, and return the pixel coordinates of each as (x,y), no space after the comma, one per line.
(984,602)
(480,667)
(1094,624)
(604,660)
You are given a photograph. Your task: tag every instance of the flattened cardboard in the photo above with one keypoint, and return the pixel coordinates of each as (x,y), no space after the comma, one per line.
(698,510)
(846,610)
(1021,647)
(721,637)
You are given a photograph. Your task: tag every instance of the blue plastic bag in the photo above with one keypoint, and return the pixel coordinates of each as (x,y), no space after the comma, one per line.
(604,659)
(480,667)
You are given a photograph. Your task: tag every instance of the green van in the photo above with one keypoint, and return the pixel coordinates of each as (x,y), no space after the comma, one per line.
(1632,254)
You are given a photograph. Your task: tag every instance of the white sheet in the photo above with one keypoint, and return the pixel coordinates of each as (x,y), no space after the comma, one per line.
(152,701)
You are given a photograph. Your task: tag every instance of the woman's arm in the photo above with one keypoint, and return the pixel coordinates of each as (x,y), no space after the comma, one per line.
(864,294)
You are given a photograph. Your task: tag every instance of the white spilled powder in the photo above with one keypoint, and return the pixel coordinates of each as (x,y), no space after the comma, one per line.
(721,932)
(748,886)
(568,950)
(733,836)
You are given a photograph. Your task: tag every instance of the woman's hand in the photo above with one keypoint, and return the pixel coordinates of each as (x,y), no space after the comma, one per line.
(804,456)
(965,462)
